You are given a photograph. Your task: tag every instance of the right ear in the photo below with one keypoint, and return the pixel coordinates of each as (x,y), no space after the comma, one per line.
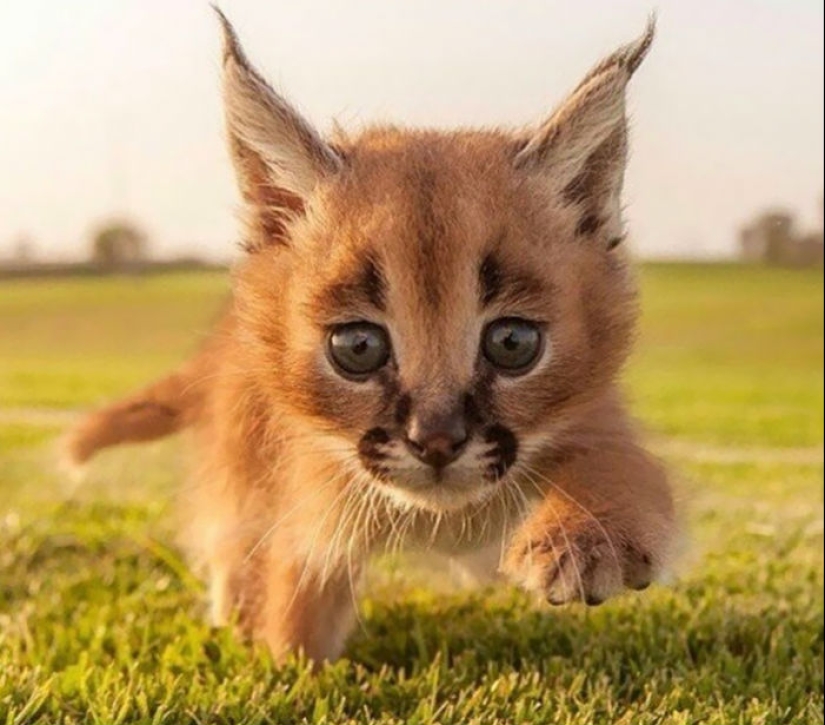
(580,152)
(279,158)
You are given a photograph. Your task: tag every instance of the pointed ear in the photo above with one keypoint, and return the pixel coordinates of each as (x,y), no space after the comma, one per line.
(279,158)
(581,150)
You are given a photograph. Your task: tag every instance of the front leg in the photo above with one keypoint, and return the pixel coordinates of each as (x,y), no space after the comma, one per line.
(606,522)
(298,611)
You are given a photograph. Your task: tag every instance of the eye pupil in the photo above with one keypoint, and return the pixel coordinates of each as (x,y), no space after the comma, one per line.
(511,342)
(512,345)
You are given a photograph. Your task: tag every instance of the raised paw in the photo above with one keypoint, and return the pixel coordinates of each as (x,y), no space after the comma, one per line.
(584,563)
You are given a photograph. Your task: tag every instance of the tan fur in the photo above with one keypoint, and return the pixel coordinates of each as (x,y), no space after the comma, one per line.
(303,473)
(158,410)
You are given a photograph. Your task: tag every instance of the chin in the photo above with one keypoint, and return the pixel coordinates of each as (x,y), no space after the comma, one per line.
(441,492)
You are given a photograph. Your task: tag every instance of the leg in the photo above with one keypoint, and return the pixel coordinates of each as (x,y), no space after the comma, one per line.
(606,522)
(220,597)
(214,544)
(299,612)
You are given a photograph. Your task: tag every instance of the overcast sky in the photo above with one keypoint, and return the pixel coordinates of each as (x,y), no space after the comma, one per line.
(112,106)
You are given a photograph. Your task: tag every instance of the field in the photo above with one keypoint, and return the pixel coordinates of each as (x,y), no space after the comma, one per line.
(100,621)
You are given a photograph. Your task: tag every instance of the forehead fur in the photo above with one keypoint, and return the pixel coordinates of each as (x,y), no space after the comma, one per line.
(420,225)
(430,208)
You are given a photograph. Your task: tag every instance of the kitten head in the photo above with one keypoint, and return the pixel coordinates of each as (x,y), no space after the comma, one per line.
(435,307)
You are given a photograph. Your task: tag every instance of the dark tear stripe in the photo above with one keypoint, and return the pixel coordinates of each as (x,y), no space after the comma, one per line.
(490,279)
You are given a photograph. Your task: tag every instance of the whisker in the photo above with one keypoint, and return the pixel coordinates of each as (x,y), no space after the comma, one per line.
(283,518)
(567,541)
(605,533)
(309,556)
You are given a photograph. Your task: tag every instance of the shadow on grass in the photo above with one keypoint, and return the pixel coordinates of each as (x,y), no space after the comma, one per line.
(668,636)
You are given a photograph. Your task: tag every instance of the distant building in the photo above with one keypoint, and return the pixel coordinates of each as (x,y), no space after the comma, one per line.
(772,238)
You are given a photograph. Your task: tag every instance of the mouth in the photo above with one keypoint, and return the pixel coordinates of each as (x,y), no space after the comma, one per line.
(471,479)
(435,492)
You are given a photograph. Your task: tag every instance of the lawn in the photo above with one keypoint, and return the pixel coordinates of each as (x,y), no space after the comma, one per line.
(100,621)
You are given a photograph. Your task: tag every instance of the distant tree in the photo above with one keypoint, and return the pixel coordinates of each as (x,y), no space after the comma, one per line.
(23,251)
(118,244)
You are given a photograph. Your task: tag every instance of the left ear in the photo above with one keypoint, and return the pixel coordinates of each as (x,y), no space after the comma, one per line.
(279,158)
(581,150)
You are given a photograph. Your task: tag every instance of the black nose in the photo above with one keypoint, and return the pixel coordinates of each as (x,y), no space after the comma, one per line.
(437,440)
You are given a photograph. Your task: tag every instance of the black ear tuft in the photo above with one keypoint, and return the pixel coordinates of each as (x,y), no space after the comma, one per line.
(615,242)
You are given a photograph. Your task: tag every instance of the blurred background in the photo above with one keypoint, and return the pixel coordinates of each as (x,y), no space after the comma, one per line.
(117,227)
(111,111)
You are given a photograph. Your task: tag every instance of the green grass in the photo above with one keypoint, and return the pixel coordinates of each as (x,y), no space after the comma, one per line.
(101,622)
(71,342)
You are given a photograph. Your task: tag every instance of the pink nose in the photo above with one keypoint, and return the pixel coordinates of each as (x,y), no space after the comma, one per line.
(437,440)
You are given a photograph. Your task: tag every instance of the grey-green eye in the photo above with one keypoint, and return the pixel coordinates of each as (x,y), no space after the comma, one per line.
(512,344)
(358,348)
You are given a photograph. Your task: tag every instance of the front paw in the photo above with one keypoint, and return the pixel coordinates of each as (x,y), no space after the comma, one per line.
(580,563)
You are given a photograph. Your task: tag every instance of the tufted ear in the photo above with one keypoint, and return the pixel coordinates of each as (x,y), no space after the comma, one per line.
(279,158)
(581,150)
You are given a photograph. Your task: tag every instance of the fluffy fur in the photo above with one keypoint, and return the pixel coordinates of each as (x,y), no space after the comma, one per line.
(305,472)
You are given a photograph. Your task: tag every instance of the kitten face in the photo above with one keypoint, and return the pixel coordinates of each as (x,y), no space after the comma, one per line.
(438,305)
(435,316)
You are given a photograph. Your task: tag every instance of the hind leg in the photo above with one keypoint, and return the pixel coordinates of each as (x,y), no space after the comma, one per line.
(212,540)
(221,565)
(221,602)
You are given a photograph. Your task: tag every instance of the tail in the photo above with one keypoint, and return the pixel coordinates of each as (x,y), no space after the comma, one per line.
(164,407)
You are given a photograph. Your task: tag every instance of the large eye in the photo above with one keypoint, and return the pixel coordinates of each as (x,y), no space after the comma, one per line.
(358,348)
(512,344)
